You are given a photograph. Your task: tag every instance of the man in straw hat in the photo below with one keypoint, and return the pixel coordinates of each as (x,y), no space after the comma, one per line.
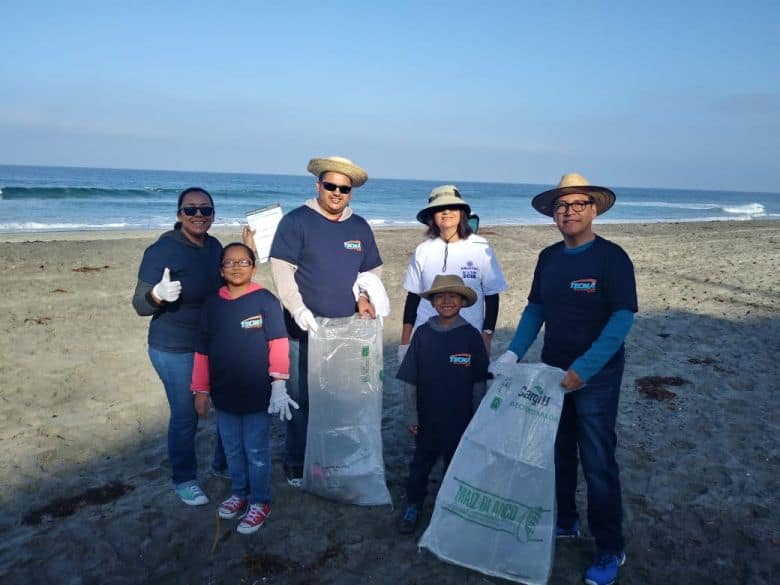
(444,373)
(585,294)
(317,253)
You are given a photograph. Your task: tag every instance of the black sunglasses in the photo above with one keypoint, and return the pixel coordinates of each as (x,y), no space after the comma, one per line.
(205,211)
(344,189)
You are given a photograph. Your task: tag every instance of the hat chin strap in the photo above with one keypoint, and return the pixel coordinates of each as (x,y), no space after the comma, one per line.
(447,248)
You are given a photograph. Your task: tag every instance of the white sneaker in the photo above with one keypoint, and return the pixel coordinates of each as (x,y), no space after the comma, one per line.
(191,494)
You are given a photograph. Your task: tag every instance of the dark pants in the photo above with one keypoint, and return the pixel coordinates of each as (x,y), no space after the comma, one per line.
(428,447)
(587,429)
(298,389)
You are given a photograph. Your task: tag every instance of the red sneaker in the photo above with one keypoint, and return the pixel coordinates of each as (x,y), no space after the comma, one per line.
(254,518)
(232,507)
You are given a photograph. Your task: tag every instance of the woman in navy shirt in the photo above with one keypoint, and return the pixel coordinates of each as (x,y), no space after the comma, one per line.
(178,272)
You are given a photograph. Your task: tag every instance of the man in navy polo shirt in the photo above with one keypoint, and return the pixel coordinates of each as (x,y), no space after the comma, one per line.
(317,254)
(584,292)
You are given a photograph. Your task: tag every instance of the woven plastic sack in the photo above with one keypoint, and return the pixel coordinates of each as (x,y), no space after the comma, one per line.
(344,443)
(495,510)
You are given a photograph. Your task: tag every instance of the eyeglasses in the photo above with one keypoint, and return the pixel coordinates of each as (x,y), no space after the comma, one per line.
(344,189)
(243,263)
(205,211)
(579,206)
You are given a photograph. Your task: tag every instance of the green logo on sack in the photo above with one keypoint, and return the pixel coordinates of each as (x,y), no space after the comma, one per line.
(492,511)
(364,351)
(495,403)
(533,401)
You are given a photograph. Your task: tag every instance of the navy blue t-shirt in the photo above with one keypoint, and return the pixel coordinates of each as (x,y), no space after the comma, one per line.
(234,334)
(578,293)
(444,365)
(174,327)
(329,255)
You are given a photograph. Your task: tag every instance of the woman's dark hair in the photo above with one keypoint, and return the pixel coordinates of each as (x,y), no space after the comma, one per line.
(464,229)
(249,251)
(186,192)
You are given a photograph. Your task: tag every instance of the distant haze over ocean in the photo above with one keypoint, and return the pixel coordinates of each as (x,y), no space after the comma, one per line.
(63,198)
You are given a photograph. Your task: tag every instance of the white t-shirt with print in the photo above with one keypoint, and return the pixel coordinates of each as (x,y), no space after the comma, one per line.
(473,259)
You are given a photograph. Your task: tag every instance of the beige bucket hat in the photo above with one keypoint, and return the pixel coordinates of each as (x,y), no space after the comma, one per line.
(338,164)
(451,283)
(443,196)
(574,183)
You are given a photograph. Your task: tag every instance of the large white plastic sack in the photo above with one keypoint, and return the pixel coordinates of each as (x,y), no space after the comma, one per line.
(495,510)
(344,444)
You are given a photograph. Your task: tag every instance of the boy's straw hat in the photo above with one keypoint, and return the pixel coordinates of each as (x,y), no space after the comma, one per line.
(443,196)
(451,283)
(338,164)
(570,184)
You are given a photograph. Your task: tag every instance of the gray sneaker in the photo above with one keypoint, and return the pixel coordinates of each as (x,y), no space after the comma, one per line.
(572,532)
(221,473)
(294,474)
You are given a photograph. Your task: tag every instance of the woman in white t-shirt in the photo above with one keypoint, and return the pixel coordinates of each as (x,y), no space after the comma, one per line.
(451,248)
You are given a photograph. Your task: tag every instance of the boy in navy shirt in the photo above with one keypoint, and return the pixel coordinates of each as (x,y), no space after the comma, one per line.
(584,292)
(444,373)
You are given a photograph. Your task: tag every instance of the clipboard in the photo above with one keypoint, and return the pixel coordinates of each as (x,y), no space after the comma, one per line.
(264,221)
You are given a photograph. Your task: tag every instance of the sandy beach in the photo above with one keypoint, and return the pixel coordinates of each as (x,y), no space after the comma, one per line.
(82,407)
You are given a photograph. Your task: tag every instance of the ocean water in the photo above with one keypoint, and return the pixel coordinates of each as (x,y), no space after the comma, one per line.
(58,198)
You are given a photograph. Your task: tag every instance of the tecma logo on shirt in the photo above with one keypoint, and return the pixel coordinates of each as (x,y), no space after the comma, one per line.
(353,246)
(587,285)
(255,322)
(461,359)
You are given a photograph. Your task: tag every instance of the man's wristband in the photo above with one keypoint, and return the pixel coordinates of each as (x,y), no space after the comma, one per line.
(488,331)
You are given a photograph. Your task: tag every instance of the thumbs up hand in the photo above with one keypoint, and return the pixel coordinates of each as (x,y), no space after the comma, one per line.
(167,290)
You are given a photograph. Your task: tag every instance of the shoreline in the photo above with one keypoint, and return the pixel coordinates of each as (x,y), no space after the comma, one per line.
(146,233)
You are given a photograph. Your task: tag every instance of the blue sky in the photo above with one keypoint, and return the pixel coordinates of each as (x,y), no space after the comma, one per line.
(646,94)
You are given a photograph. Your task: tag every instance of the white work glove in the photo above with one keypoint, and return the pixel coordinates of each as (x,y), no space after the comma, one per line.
(167,290)
(506,358)
(402,349)
(281,402)
(305,319)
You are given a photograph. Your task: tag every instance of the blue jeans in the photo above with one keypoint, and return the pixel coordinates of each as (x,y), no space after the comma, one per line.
(246,441)
(587,428)
(175,372)
(298,389)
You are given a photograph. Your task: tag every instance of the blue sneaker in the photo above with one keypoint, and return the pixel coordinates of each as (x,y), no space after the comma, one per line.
(408,522)
(191,494)
(572,532)
(604,569)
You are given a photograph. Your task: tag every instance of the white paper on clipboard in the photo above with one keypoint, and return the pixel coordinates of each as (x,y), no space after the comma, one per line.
(264,221)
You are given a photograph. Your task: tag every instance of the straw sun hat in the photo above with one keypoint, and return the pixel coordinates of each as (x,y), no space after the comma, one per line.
(451,283)
(443,196)
(574,183)
(338,164)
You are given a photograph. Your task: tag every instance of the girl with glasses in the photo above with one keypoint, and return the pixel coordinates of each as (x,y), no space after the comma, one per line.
(241,364)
